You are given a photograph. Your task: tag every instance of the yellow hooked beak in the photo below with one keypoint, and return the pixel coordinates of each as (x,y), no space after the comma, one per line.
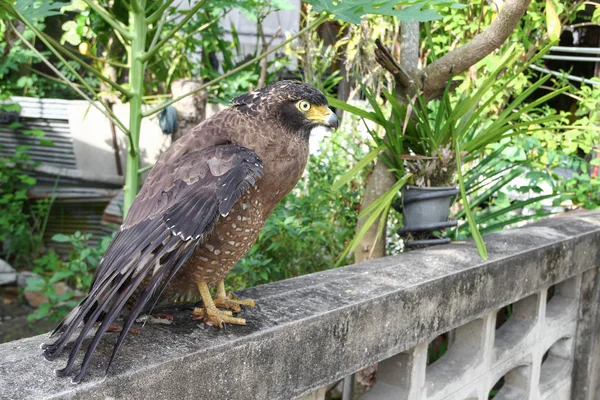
(323,116)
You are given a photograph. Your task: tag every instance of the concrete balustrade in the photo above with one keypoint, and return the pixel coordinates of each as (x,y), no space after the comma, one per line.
(312,331)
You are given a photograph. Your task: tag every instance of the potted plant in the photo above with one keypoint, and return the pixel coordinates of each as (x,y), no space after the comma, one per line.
(426,143)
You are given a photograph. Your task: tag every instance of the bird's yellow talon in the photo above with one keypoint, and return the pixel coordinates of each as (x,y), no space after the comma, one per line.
(223,300)
(210,312)
(233,305)
(200,313)
(217,318)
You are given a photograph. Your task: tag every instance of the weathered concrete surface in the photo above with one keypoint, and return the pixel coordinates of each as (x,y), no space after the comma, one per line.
(586,376)
(315,329)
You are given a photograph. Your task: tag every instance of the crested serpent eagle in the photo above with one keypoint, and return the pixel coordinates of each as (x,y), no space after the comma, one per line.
(197,214)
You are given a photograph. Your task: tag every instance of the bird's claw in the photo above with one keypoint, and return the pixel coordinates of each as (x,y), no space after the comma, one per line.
(210,311)
(217,317)
(229,303)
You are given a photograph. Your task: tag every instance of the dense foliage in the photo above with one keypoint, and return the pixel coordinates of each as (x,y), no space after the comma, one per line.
(543,170)
(543,164)
(22,222)
(201,49)
(75,273)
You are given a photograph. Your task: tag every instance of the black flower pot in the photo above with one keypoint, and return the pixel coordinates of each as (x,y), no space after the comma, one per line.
(424,210)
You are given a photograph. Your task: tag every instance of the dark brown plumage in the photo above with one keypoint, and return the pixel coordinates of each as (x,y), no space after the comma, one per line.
(199,212)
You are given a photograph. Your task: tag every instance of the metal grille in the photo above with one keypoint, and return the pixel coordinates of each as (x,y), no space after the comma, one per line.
(78,204)
(76,214)
(51,117)
(43,108)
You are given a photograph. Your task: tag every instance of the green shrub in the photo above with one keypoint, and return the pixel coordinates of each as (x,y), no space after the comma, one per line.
(22,222)
(76,272)
(15,232)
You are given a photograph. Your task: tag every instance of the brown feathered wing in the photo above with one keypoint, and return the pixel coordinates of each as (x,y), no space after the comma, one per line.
(177,208)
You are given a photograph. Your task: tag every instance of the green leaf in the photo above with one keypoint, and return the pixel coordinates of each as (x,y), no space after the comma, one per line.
(552,21)
(470,219)
(34,284)
(42,311)
(282,5)
(506,178)
(348,176)
(85,253)
(408,10)
(60,238)
(61,275)
(378,209)
(415,13)
(71,35)
(514,153)
(499,225)
(65,296)
(336,103)
(372,101)
(27,180)
(32,10)
(595,161)
(33,132)
(516,205)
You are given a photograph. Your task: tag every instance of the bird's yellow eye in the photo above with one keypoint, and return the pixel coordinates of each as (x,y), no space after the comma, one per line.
(303,105)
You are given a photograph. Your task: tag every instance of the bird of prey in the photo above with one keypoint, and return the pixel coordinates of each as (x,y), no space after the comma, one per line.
(198,213)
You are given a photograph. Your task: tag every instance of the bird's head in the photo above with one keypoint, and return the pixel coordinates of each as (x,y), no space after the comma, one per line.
(298,107)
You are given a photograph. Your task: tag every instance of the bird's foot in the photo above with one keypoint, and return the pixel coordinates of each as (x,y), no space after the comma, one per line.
(215,317)
(210,312)
(235,305)
(226,301)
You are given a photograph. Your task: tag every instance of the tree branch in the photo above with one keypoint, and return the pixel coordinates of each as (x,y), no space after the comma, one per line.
(110,19)
(237,69)
(386,60)
(409,47)
(85,66)
(188,15)
(68,82)
(437,74)
(159,13)
(265,46)
(404,72)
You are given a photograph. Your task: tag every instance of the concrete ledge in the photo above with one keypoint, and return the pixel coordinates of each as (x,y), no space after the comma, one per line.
(313,330)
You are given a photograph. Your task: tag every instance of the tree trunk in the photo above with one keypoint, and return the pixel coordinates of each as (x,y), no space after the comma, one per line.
(372,244)
(382,179)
